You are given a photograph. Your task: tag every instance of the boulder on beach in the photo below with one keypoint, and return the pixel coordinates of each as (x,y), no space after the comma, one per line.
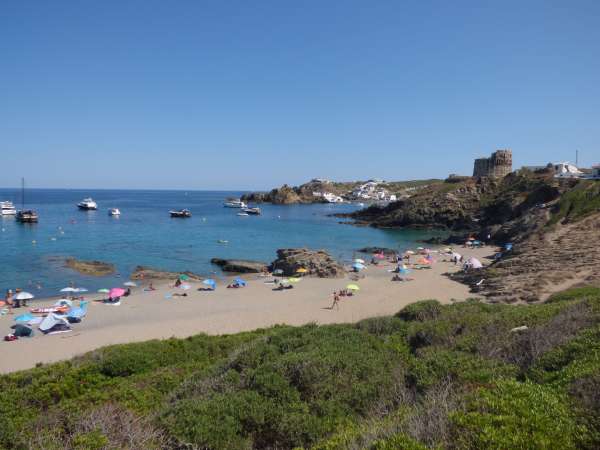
(317,263)
(240,265)
(148,273)
(94,268)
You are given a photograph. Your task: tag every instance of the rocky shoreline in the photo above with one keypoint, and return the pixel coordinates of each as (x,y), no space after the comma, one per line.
(93,268)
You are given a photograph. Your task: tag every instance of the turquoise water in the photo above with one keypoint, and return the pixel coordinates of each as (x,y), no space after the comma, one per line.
(32,255)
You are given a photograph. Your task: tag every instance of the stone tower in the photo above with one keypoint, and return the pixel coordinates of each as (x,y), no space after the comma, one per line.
(497,166)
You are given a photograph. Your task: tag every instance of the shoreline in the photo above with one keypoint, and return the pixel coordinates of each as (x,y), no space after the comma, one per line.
(146,315)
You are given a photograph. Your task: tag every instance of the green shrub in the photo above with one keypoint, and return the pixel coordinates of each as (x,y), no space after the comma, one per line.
(420,311)
(516,415)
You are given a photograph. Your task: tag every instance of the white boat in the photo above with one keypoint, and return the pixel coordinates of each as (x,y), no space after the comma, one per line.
(252,211)
(7,209)
(234,203)
(87,204)
(242,214)
(114,212)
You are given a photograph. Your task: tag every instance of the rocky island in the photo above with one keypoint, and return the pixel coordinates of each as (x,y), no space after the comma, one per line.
(93,268)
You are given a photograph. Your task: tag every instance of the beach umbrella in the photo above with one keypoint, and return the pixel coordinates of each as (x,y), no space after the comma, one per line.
(116,292)
(24,317)
(359,261)
(301,270)
(353,287)
(80,290)
(103,291)
(184,277)
(210,283)
(68,289)
(358,266)
(240,282)
(24,296)
(185,287)
(130,284)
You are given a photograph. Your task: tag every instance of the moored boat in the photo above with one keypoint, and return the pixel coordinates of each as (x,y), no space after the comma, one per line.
(114,212)
(87,204)
(183,213)
(7,209)
(252,211)
(27,216)
(234,203)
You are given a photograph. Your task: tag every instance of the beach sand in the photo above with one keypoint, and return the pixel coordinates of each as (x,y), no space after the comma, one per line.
(148,315)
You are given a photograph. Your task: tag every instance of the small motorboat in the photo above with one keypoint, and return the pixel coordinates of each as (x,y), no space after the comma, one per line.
(114,212)
(87,204)
(183,213)
(234,203)
(7,209)
(252,211)
(242,214)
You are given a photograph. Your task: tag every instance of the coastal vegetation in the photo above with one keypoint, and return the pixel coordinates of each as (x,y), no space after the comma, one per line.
(468,375)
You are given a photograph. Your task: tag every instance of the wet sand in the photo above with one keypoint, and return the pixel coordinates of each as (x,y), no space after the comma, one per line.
(148,315)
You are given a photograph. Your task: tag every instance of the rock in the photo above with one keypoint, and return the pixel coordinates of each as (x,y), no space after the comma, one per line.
(240,265)
(384,250)
(318,263)
(148,273)
(94,268)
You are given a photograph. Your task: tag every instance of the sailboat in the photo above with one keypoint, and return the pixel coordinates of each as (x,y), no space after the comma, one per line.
(25,215)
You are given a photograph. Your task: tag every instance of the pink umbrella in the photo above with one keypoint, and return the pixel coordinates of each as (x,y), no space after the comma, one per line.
(116,292)
(379,255)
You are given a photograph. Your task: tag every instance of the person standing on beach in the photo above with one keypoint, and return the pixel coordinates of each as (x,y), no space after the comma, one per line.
(336,301)
(8,300)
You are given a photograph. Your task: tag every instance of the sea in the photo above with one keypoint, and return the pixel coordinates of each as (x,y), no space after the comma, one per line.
(32,255)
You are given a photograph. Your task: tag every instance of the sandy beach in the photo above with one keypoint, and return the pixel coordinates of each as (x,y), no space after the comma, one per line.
(149,315)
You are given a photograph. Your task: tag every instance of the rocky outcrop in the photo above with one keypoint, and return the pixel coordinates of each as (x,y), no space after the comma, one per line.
(148,273)
(317,262)
(239,265)
(94,268)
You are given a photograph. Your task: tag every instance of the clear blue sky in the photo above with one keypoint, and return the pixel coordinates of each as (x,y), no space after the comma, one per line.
(252,94)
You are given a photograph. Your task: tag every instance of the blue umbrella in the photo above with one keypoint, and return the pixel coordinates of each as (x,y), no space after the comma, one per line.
(210,283)
(24,318)
(240,282)
(358,266)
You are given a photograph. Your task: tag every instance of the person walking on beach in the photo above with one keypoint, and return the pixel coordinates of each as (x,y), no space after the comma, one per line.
(336,301)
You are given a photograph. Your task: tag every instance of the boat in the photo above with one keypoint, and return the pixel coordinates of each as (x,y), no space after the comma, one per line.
(252,211)
(114,212)
(7,209)
(183,213)
(87,204)
(242,214)
(25,215)
(234,203)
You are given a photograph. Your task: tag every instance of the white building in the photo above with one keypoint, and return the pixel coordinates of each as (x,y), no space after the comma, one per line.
(332,198)
(566,170)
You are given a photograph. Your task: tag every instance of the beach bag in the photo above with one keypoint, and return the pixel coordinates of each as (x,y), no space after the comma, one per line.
(22,331)
(10,337)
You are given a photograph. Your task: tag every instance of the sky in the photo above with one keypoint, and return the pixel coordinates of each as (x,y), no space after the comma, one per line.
(252,94)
